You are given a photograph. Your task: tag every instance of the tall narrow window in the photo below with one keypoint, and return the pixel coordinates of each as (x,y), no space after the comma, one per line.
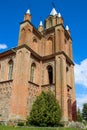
(32,72)
(50,74)
(10,70)
(69,110)
(35,44)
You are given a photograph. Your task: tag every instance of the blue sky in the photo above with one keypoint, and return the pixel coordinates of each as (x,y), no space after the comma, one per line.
(74,13)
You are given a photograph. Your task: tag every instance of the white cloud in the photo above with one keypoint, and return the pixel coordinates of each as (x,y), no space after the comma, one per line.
(3,46)
(81,99)
(81,73)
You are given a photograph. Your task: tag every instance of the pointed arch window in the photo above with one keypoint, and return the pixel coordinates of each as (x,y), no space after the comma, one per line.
(49,49)
(34,40)
(50,74)
(10,71)
(35,44)
(32,73)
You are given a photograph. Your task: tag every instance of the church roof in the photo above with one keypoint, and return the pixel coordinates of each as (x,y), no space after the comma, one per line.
(53,12)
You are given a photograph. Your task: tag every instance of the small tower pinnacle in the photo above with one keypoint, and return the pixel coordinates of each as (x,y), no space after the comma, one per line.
(40,28)
(59,15)
(27,15)
(28,11)
(40,23)
(67,27)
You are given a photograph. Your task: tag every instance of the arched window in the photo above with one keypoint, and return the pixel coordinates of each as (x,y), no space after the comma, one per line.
(10,69)
(35,44)
(34,40)
(32,73)
(50,74)
(49,46)
(23,29)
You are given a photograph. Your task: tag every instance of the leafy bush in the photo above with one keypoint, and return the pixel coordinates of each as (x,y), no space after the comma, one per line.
(20,124)
(45,111)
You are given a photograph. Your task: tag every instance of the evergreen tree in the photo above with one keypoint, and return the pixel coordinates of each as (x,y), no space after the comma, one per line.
(84,111)
(45,111)
(79,115)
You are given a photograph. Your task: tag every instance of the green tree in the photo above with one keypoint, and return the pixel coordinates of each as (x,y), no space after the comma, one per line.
(79,115)
(45,111)
(84,111)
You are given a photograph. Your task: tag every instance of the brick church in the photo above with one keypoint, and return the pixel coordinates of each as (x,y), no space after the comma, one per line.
(42,61)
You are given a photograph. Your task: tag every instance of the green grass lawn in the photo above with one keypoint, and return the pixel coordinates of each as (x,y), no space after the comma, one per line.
(33,128)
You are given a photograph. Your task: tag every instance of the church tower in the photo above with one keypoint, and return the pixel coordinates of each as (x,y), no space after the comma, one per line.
(63,63)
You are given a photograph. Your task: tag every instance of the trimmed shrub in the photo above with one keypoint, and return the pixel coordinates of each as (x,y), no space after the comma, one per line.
(45,111)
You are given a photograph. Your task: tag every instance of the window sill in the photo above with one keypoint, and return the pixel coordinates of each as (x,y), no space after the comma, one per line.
(45,85)
(33,83)
(6,81)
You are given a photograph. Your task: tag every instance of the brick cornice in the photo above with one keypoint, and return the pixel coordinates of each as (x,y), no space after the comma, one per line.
(8,53)
(34,54)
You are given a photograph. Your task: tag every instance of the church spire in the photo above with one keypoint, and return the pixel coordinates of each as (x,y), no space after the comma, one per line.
(53,12)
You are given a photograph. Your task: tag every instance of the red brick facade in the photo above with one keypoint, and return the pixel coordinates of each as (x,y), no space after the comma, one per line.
(41,62)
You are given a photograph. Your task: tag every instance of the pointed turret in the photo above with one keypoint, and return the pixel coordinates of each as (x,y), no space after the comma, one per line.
(67,29)
(25,29)
(41,24)
(59,19)
(27,15)
(59,15)
(28,12)
(40,28)
(53,12)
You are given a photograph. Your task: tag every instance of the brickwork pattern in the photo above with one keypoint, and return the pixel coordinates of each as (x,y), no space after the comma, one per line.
(5,98)
(33,91)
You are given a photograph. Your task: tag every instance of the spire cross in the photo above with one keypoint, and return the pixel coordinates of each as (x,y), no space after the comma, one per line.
(53,5)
